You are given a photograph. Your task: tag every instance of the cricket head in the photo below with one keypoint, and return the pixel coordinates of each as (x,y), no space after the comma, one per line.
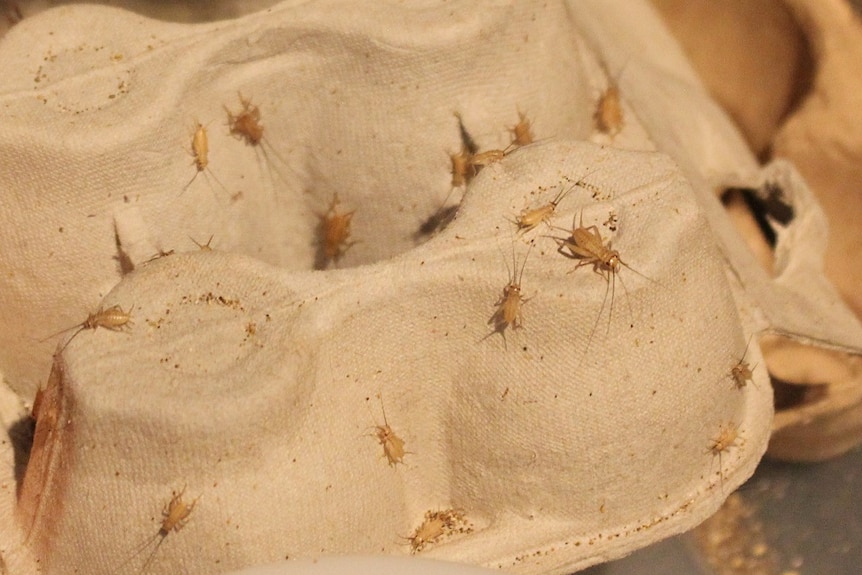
(614,262)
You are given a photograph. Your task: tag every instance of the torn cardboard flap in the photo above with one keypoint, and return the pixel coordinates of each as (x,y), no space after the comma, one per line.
(798,302)
(818,389)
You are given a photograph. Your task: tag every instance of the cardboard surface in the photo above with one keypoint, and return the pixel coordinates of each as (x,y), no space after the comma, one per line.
(249,383)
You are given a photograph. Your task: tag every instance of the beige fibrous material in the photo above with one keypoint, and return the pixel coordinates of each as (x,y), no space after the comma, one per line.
(581,436)
(789,73)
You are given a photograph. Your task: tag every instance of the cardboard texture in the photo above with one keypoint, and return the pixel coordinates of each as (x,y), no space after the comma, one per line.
(794,90)
(829,420)
(259,389)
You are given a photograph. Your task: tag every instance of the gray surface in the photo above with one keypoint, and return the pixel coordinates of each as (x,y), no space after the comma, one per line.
(811,516)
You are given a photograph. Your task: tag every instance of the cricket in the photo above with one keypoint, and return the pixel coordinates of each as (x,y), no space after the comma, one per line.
(609,112)
(529,219)
(522,132)
(112,318)
(509,311)
(246,125)
(586,245)
(334,233)
(200,155)
(174,517)
(435,526)
(741,373)
(728,436)
(608,117)
(462,171)
(393,446)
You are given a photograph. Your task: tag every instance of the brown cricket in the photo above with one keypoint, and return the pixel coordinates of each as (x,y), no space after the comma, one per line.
(112,318)
(335,233)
